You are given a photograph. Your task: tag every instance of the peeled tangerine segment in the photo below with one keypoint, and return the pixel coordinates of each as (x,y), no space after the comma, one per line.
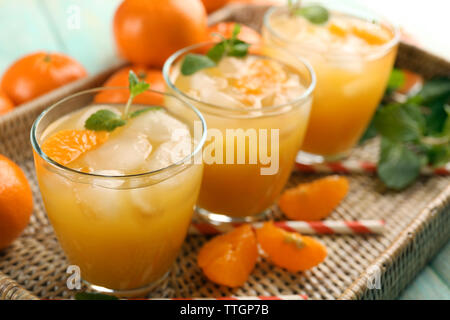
(290,250)
(314,200)
(338,28)
(67,145)
(372,34)
(229,259)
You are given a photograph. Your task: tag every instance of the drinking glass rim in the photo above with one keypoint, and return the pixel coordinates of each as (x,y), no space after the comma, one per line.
(304,96)
(383,48)
(36,146)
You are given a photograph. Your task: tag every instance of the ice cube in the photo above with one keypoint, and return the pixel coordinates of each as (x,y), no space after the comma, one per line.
(109,182)
(168,153)
(98,202)
(126,152)
(231,67)
(147,200)
(158,126)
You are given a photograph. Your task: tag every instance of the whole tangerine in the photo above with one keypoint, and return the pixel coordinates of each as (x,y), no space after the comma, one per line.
(6,104)
(147,32)
(213,5)
(153,77)
(39,73)
(16,201)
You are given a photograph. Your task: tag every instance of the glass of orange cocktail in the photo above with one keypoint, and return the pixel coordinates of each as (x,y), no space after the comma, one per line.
(257,109)
(352,53)
(120,202)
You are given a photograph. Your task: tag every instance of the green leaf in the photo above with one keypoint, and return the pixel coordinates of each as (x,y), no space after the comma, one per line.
(446,126)
(136,87)
(217,52)
(195,62)
(432,90)
(141,111)
(400,123)
(132,80)
(94,296)
(436,118)
(314,13)
(398,166)
(139,88)
(238,49)
(236,30)
(104,120)
(439,155)
(396,80)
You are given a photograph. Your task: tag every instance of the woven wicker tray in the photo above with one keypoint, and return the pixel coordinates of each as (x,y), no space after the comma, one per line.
(417,221)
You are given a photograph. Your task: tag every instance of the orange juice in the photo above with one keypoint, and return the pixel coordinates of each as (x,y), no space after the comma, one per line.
(352,59)
(262,102)
(121,210)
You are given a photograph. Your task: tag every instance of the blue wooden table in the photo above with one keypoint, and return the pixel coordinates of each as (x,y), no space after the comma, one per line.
(83,30)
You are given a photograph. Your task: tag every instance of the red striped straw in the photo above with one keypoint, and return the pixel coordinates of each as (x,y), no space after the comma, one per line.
(304,227)
(356,166)
(280,297)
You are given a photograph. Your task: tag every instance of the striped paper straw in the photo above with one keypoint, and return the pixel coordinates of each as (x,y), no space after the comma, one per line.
(356,166)
(279,297)
(304,227)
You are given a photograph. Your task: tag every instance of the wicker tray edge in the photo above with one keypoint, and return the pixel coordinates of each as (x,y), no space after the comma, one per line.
(398,264)
(392,263)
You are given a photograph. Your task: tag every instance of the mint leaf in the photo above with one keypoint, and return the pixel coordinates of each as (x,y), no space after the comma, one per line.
(217,52)
(141,111)
(195,62)
(400,123)
(136,87)
(132,80)
(314,13)
(236,30)
(104,120)
(232,47)
(432,90)
(94,296)
(238,48)
(439,155)
(436,117)
(398,166)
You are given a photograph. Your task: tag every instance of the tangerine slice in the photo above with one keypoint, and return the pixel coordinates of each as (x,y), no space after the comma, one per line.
(67,145)
(371,34)
(290,250)
(314,200)
(229,259)
(338,28)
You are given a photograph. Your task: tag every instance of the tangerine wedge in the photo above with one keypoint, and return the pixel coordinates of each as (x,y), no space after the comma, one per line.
(371,34)
(314,200)
(67,145)
(229,259)
(290,250)
(338,28)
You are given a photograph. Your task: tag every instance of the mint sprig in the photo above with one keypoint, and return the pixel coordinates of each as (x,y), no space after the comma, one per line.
(232,47)
(314,13)
(106,120)
(414,133)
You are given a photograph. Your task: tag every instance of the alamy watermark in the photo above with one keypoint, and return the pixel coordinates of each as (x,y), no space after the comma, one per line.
(73,21)
(74,279)
(237,147)
(374,279)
